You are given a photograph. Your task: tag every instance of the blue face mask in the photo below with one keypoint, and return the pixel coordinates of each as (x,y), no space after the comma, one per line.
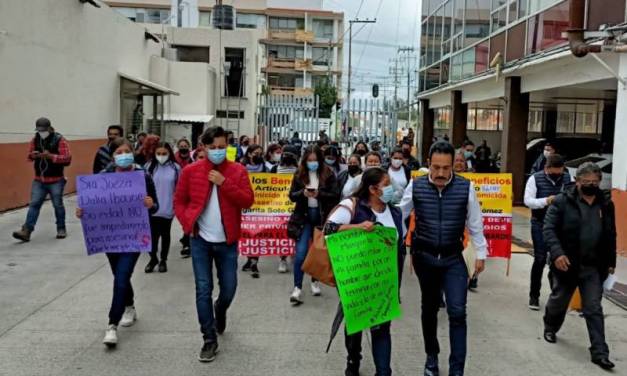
(468,154)
(216,156)
(124,160)
(330,162)
(313,166)
(388,194)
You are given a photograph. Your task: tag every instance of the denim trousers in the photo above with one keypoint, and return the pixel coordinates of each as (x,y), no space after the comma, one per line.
(122,266)
(204,255)
(540,255)
(302,245)
(38,193)
(450,275)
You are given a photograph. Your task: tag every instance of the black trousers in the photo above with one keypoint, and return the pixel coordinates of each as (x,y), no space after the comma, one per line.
(160,228)
(590,284)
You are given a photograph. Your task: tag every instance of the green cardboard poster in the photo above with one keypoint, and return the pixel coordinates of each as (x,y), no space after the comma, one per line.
(365,265)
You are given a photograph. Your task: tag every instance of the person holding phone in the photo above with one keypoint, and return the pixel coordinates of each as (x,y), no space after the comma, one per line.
(315,193)
(122,311)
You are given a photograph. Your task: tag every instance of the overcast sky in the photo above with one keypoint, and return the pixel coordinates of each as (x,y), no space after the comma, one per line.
(397,25)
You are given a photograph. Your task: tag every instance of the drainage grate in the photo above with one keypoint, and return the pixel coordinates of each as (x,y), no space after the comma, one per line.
(618,295)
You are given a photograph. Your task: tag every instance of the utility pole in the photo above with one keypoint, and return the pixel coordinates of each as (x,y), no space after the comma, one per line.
(350,60)
(407,50)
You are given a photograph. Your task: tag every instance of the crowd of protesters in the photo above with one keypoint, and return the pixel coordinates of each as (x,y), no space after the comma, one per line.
(435,216)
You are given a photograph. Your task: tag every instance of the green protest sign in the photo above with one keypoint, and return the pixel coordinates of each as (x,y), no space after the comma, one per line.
(365,265)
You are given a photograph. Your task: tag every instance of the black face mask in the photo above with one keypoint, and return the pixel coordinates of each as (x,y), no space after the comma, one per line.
(555,177)
(353,169)
(257,159)
(245,143)
(362,152)
(183,151)
(231,141)
(590,190)
(406,153)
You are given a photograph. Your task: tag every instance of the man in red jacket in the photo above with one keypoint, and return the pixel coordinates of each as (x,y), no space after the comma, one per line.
(209,199)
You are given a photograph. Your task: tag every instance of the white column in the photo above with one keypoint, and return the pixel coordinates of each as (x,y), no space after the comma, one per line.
(619,165)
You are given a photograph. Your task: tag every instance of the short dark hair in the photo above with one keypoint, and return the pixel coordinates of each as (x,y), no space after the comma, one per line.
(211,134)
(142,134)
(117,128)
(442,147)
(396,150)
(554,160)
(376,154)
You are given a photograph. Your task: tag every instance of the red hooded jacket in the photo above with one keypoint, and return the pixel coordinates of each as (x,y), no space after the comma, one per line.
(192,196)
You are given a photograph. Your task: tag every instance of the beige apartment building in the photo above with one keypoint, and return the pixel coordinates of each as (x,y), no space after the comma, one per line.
(300,44)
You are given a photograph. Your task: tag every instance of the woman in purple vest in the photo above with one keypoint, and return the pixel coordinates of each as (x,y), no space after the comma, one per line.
(370,205)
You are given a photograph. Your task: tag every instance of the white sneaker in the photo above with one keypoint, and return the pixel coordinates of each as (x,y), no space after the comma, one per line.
(129,317)
(111,336)
(315,289)
(295,297)
(282,266)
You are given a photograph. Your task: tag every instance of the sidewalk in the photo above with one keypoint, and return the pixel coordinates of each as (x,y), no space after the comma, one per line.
(55,301)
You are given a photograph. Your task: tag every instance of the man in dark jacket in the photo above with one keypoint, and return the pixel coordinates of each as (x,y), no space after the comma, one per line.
(50,153)
(540,192)
(580,231)
(548,150)
(104,155)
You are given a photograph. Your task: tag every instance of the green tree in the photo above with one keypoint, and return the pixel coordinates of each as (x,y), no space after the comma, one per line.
(328,97)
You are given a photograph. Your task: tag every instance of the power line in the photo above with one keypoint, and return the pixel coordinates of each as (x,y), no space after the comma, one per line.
(369,34)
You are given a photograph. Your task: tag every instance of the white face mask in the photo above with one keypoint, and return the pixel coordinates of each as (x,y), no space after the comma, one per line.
(44,134)
(396,163)
(276,157)
(162,158)
(547,153)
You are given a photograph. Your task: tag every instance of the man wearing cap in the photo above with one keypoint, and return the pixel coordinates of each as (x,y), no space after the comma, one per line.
(50,153)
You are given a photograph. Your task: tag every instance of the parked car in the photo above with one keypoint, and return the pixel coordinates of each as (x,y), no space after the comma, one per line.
(604,161)
(570,148)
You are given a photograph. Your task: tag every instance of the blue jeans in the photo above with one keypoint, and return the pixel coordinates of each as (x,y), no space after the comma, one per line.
(302,245)
(122,266)
(540,253)
(38,193)
(451,276)
(204,254)
(381,348)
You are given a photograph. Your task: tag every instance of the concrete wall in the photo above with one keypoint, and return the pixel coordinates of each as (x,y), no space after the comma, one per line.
(62,63)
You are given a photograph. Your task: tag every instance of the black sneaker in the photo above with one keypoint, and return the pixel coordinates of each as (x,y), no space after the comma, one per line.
(220,320)
(431,366)
(61,234)
(534,304)
(255,270)
(163,267)
(151,266)
(208,352)
(352,368)
(185,252)
(474,283)
(247,265)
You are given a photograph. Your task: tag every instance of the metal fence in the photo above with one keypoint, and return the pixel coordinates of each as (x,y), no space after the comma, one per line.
(282,115)
(370,120)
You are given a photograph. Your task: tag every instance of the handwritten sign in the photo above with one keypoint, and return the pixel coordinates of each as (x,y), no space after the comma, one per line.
(365,265)
(114,217)
(264,225)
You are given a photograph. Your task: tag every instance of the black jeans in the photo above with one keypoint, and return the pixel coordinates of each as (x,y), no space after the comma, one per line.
(381,348)
(590,284)
(540,254)
(448,274)
(160,228)
(122,266)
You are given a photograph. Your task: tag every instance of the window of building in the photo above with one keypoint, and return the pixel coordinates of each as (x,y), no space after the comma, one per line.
(221,114)
(433,77)
(456,67)
(485,119)
(482,57)
(144,15)
(424,45)
(441,118)
(566,122)
(322,56)
(499,18)
(535,121)
(538,5)
(234,83)
(545,29)
(286,52)
(249,21)
(279,23)
(282,80)
(192,54)
(204,19)
(477,21)
(323,29)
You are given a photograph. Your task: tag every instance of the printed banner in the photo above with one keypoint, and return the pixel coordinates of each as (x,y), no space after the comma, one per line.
(495,195)
(114,217)
(264,225)
(365,265)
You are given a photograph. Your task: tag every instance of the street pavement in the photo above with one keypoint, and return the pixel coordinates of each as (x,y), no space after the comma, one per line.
(54,302)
